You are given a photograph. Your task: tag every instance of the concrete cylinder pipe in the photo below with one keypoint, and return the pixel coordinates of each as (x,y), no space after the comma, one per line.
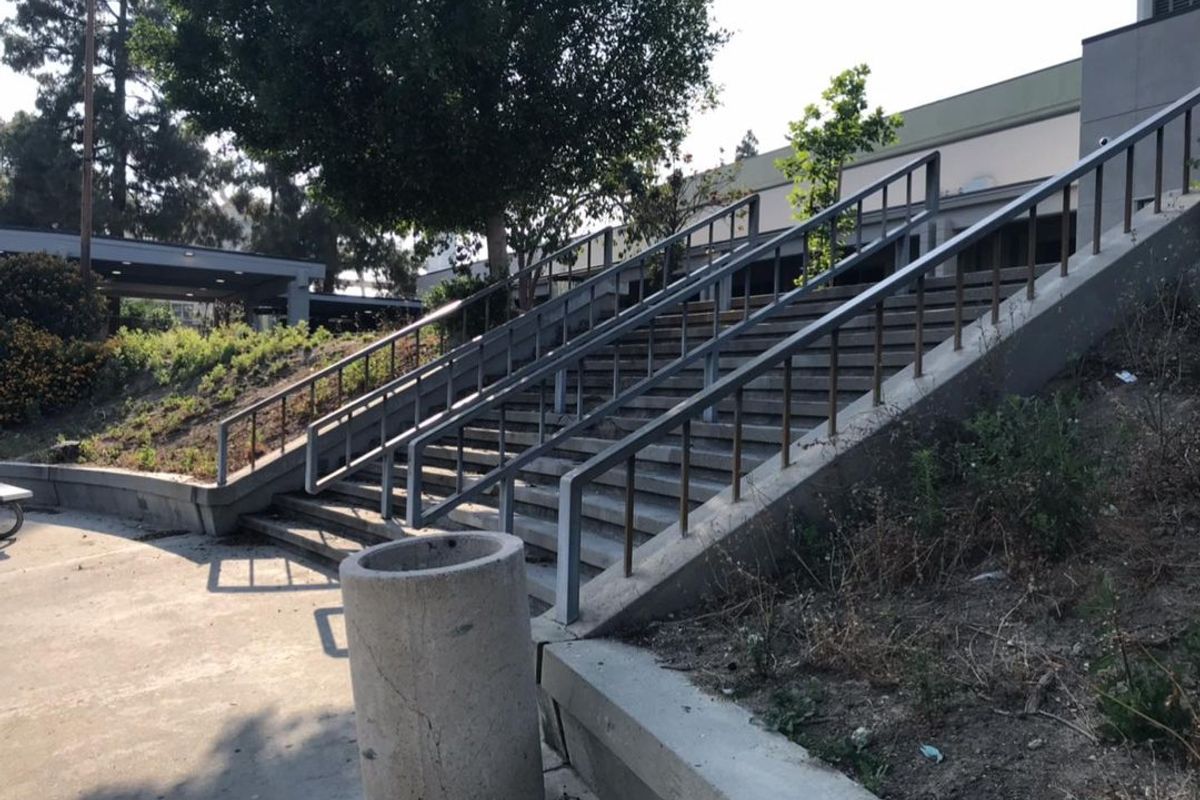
(442,667)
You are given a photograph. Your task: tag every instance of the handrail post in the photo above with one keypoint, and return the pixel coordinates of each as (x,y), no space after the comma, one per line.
(506,513)
(712,371)
(608,248)
(933,199)
(222,454)
(566,597)
(413,500)
(387,483)
(752,222)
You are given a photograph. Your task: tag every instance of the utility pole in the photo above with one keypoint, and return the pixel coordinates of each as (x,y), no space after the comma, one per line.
(89,122)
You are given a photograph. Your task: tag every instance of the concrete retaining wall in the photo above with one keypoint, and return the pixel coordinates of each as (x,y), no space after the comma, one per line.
(635,731)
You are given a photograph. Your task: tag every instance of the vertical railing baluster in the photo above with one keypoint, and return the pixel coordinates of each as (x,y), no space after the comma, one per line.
(908,203)
(1031,277)
(1066,230)
(1098,204)
(877,372)
(449,384)
(858,227)
(778,276)
(500,434)
(630,491)
(339,386)
(1187,151)
(1129,189)
(683,331)
(616,351)
(650,350)
(959,291)
(833,381)
(253,438)
(919,346)
(312,400)
(542,411)
(996,252)
(685,463)
(746,294)
(786,453)
(282,423)
(392,360)
(579,388)
(479,371)
(1158,169)
(459,466)
(737,444)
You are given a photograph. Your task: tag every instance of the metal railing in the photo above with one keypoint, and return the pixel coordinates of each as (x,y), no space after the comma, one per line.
(457,310)
(826,329)
(706,347)
(549,325)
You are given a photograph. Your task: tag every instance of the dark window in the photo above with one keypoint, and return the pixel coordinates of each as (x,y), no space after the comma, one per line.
(1163,7)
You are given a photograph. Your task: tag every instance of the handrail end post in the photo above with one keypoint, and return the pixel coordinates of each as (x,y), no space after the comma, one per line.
(222,454)
(566,597)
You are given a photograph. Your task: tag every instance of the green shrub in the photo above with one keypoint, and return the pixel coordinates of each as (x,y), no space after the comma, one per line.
(1026,464)
(41,373)
(48,292)
(477,317)
(147,315)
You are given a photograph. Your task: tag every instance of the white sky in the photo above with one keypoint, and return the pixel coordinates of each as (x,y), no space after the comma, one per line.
(783,53)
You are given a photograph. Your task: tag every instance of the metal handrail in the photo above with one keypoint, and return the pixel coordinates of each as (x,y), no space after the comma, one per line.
(682,415)
(412,381)
(338,368)
(508,470)
(417,518)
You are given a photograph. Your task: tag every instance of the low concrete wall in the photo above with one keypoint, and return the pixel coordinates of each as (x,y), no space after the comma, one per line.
(635,731)
(1034,341)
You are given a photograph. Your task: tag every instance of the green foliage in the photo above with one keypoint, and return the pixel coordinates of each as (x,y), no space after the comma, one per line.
(154,176)
(794,708)
(48,292)
(867,768)
(181,354)
(927,488)
(1026,464)
(824,140)
(443,114)
(147,315)
(460,288)
(41,373)
(1146,704)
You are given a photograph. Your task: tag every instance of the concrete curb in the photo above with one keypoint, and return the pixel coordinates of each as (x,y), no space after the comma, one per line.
(635,731)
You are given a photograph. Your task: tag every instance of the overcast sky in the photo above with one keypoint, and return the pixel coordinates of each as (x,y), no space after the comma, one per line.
(783,53)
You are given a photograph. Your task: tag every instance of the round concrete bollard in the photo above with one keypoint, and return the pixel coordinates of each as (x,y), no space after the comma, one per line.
(442,666)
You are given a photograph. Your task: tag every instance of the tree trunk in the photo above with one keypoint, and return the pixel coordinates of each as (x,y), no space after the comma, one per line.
(497,245)
(120,143)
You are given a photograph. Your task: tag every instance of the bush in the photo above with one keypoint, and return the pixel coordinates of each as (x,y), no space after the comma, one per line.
(49,293)
(1026,464)
(477,316)
(42,373)
(147,315)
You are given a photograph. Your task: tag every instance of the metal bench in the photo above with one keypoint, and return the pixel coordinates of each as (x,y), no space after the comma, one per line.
(11,514)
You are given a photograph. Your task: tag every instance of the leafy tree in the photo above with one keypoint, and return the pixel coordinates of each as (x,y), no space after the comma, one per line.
(824,140)
(286,220)
(659,197)
(442,113)
(747,147)
(155,177)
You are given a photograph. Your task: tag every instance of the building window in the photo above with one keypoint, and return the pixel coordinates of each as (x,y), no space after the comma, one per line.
(1164,7)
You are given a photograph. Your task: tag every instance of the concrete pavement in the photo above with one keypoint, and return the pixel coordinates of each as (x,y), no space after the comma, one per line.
(138,663)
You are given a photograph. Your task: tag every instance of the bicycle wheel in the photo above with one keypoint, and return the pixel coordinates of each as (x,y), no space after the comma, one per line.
(11,517)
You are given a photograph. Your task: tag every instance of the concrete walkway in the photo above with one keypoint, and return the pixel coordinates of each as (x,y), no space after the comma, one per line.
(145,664)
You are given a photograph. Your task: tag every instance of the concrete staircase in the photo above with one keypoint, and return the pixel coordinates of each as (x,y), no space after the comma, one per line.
(345,518)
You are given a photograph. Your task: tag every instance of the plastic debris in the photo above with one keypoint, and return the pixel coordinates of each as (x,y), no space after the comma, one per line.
(1125,376)
(997,575)
(860,738)
(932,753)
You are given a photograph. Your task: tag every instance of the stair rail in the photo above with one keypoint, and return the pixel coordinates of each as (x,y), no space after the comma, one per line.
(827,328)
(894,238)
(716,233)
(361,359)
